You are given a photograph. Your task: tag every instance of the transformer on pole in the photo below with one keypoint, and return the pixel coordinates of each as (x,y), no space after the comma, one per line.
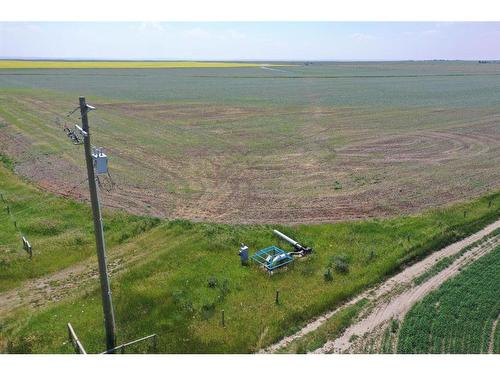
(107,303)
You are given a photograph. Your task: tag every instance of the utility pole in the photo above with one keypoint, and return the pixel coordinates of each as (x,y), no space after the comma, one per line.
(107,304)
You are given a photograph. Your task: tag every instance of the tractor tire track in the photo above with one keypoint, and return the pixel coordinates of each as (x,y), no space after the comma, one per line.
(491,344)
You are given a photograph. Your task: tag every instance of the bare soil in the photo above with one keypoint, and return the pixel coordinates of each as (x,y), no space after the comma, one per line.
(237,164)
(491,343)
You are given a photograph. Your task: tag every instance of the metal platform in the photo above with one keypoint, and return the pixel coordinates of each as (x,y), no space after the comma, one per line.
(271,258)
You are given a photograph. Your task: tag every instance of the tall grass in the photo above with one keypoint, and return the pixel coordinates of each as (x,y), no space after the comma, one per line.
(170,292)
(60,231)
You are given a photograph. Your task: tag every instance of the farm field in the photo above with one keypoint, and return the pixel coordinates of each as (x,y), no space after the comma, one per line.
(52,64)
(369,323)
(173,278)
(461,316)
(205,156)
(289,144)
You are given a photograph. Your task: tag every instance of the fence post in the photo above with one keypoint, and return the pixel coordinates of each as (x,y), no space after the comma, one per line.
(155,347)
(222,319)
(277,296)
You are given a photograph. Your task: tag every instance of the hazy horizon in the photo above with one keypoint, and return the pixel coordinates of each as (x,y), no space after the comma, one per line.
(251,41)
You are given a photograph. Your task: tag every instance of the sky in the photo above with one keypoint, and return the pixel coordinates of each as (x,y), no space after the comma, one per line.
(251,40)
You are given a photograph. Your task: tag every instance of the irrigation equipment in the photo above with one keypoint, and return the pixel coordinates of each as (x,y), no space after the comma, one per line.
(301,250)
(27,246)
(243,253)
(272,257)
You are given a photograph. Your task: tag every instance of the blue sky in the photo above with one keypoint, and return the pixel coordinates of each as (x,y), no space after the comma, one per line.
(251,41)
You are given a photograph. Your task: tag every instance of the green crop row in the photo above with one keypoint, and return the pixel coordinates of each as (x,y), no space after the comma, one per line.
(459,316)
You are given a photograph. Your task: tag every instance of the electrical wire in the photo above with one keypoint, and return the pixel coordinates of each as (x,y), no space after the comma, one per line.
(70,113)
(103,186)
(60,122)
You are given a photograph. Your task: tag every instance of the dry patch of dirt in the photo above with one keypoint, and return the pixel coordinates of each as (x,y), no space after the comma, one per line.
(491,343)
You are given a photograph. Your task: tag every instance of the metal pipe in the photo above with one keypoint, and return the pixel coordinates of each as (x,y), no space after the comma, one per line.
(302,250)
(286,238)
(122,346)
(75,341)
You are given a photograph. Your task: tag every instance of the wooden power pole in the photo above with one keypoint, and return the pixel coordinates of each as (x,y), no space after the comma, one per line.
(107,304)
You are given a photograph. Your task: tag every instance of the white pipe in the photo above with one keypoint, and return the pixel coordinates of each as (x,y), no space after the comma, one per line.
(286,238)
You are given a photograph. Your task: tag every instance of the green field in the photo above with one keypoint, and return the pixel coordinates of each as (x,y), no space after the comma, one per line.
(459,316)
(291,144)
(50,64)
(204,159)
(166,291)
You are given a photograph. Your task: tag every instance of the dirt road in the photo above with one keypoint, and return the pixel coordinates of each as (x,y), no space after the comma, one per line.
(69,281)
(394,297)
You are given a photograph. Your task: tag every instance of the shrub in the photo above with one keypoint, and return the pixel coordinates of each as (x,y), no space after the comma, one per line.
(224,289)
(328,274)
(207,310)
(340,263)
(212,282)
